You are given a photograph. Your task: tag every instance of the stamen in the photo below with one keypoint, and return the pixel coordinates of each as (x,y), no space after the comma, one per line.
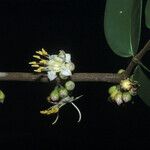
(36,56)
(44,52)
(41,68)
(39,52)
(43,61)
(37,70)
(32,63)
(51,110)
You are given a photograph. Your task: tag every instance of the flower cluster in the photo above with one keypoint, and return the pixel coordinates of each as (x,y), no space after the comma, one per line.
(55,65)
(123,92)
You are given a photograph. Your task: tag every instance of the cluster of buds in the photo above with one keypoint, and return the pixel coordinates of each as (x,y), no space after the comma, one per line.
(57,66)
(60,96)
(61,92)
(123,92)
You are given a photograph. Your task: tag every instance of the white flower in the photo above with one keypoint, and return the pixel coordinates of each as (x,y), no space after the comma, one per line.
(54,65)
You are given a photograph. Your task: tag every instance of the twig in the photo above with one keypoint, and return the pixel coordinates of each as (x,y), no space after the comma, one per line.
(79,77)
(136,59)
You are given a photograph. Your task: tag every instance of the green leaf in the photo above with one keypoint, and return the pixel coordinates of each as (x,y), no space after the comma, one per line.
(144,81)
(147,14)
(122,25)
(2,97)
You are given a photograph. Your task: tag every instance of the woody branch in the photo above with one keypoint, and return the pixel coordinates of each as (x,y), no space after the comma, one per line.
(80,77)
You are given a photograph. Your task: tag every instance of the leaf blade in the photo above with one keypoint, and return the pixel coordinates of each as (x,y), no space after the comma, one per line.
(144,81)
(122,26)
(147,14)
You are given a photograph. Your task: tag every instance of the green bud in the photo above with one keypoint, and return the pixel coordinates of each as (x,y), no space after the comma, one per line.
(126,96)
(70,85)
(54,96)
(63,92)
(118,98)
(2,97)
(62,76)
(112,89)
(113,94)
(121,71)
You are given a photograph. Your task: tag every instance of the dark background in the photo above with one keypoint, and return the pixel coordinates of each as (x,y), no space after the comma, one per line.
(77,27)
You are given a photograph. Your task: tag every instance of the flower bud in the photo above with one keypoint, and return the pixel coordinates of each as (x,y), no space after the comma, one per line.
(62,76)
(63,92)
(121,71)
(118,98)
(126,84)
(126,96)
(70,85)
(54,96)
(113,94)
(112,89)
(2,97)
(133,91)
(70,66)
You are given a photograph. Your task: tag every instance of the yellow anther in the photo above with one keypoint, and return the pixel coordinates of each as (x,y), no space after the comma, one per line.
(37,70)
(43,112)
(39,52)
(44,52)
(52,110)
(40,69)
(36,56)
(32,63)
(43,62)
(35,65)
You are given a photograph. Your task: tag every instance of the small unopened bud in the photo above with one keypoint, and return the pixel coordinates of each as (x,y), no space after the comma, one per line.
(70,85)
(2,97)
(70,66)
(112,89)
(113,94)
(133,91)
(63,92)
(118,98)
(54,96)
(126,84)
(62,76)
(121,71)
(126,96)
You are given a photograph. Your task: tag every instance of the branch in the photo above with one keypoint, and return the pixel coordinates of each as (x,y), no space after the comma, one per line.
(79,77)
(136,59)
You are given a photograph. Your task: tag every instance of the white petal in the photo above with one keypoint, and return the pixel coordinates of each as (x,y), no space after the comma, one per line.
(68,58)
(62,54)
(51,75)
(52,57)
(66,72)
(119,101)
